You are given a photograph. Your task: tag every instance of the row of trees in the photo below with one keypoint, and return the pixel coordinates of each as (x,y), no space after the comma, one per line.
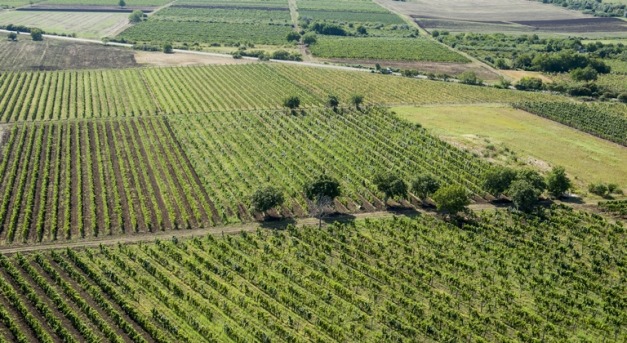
(35,34)
(333,101)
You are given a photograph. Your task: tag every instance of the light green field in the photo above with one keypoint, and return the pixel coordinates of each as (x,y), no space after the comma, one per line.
(546,143)
(83,24)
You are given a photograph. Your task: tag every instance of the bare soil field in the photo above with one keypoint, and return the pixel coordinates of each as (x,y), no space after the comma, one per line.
(81,8)
(481,10)
(62,55)
(516,75)
(178,59)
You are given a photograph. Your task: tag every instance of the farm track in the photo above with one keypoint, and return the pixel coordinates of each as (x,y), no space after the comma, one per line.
(229,229)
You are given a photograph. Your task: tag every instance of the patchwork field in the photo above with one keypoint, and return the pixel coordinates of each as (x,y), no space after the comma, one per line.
(56,55)
(536,141)
(82,24)
(388,280)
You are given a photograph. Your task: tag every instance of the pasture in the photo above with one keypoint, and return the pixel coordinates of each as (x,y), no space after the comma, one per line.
(536,141)
(81,24)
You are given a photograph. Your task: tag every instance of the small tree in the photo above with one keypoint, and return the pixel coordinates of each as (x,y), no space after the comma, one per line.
(533,177)
(524,195)
(293,36)
(333,101)
(12,36)
(362,30)
(529,83)
(469,78)
(357,100)
(266,199)
(321,193)
(451,199)
(310,38)
(292,102)
(37,35)
(122,3)
(136,16)
(391,185)
(586,74)
(497,180)
(557,182)
(425,185)
(167,48)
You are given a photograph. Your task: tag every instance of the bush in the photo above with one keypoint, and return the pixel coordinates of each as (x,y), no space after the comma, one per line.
(451,199)
(424,186)
(167,48)
(497,180)
(293,37)
(622,98)
(310,38)
(391,185)
(37,35)
(524,195)
(292,102)
(529,83)
(599,189)
(136,16)
(266,199)
(557,183)
(469,78)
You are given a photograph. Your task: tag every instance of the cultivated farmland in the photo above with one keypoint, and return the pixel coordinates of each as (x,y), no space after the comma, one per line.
(390,280)
(54,55)
(82,24)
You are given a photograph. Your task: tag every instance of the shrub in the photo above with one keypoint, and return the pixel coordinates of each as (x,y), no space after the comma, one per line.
(529,83)
(451,199)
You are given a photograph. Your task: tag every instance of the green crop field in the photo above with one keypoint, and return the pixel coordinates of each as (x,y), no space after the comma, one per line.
(198,170)
(82,24)
(139,92)
(504,277)
(404,49)
(535,140)
(352,16)
(224,15)
(353,6)
(106,3)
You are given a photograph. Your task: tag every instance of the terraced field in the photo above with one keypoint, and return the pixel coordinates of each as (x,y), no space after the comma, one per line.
(505,277)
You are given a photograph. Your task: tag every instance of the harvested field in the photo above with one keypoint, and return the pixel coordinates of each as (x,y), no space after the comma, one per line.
(488,11)
(92,178)
(80,8)
(54,54)
(177,60)
(82,24)
(578,25)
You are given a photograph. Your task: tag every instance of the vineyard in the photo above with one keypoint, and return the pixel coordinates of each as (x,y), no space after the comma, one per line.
(287,151)
(405,49)
(83,179)
(618,207)
(34,96)
(604,124)
(505,278)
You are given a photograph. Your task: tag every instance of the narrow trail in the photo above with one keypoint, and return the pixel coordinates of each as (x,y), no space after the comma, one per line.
(220,230)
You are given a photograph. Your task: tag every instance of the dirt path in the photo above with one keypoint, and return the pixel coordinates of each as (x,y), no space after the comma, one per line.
(220,230)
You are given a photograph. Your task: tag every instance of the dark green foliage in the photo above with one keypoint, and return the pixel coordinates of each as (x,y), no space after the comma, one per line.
(524,195)
(599,189)
(469,78)
(37,34)
(497,180)
(12,36)
(286,56)
(622,98)
(529,83)
(323,187)
(333,101)
(357,100)
(557,183)
(122,3)
(136,16)
(309,38)
(532,177)
(424,186)
(267,198)
(293,37)
(451,199)
(167,48)
(584,74)
(292,102)
(391,185)
(328,29)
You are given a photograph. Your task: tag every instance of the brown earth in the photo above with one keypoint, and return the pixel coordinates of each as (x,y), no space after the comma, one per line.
(180,59)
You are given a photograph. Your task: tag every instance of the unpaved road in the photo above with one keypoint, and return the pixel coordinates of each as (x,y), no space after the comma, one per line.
(220,230)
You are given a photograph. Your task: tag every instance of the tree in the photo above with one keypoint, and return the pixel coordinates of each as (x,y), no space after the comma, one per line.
(310,38)
(557,182)
(533,177)
(333,101)
(292,103)
(12,36)
(357,100)
(266,199)
(425,185)
(362,30)
(136,16)
(321,193)
(469,78)
(37,35)
(391,185)
(293,36)
(529,83)
(167,48)
(451,199)
(497,180)
(586,74)
(524,195)
(122,3)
